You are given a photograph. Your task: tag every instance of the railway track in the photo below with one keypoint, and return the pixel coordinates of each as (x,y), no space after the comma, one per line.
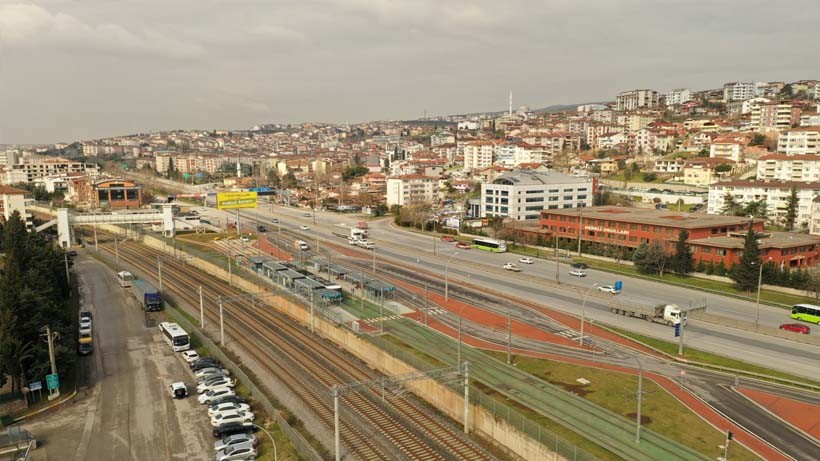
(405,424)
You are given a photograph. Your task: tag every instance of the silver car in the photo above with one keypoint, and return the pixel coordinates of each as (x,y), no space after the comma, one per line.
(236,454)
(236,439)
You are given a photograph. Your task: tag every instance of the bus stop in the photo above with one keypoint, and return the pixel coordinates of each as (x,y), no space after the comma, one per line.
(358,279)
(271,269)
(337,271)
(287,277)
(307,285)
(378,288)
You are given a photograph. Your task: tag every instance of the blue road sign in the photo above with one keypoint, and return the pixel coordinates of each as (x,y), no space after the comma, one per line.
(35,386)
(619,285)
(53,381)
(677,330)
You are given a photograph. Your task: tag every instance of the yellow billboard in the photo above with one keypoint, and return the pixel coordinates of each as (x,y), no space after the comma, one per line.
(232,200)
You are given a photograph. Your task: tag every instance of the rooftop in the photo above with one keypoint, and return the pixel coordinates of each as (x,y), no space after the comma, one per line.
(8,190)
(651,216)
(534,178)
(775,240)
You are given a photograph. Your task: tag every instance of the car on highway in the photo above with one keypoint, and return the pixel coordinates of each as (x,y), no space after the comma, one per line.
(225,417)
(204,221)
(304,227)
(233,440)
(463,245)
(447,238)
(578,272)
(261,229)
(609,289)
(307,215)
(190,356)
(796,327)
(512,267)
(275,220)
(207,397)
(178,390)
(228,406)
(526,260)
(231,429)
(238,453)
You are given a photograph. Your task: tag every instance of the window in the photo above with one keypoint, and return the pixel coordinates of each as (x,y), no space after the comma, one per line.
(505,193)
(533,199)
(633,239)
(552,207)
(567,197)
(534,192)
(645,228)
(567,190)
(706,250)
(568,205)
(720,252)
(633,227)
(554,199)
(553,191)
(534,208)
(582,197)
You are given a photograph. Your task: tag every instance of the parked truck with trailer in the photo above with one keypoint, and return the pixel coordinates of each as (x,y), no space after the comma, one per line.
(146,294)
(669,314)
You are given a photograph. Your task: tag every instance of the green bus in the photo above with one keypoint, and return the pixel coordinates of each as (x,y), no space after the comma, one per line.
(496,246)
(807,313)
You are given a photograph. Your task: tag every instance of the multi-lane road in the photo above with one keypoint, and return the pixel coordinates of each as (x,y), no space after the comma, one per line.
(537,283)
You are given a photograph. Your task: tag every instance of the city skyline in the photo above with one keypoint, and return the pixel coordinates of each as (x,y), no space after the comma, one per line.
(74,71)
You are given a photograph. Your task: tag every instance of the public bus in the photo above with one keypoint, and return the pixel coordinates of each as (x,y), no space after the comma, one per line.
(125,278)
(176,337)
(806,312)
(496,246)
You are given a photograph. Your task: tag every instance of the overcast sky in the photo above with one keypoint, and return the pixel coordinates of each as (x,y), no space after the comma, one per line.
(77,70)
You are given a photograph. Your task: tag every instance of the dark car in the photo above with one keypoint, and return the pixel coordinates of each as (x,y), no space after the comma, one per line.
(72,253)
(85,349)
(226,399)
(227,429)
(262,229)
(796,327)
(86,315)
(204,221)
(205,362)
(580,266)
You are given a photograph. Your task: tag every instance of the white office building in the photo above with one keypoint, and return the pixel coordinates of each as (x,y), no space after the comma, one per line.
(677,96)
(636,99)
(522,194)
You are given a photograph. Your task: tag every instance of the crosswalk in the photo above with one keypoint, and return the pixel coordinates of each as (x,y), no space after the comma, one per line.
(569,334)
(379,319)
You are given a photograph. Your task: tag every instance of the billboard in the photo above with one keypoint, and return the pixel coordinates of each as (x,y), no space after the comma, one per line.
(232,200)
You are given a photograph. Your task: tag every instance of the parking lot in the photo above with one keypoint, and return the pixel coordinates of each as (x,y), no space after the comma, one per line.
(123,409)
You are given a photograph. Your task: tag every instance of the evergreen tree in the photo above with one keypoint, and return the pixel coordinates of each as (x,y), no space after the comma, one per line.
(682,262)
(730,205)
(745,273)
(791,210)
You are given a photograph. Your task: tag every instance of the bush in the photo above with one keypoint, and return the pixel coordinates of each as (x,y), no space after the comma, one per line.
(710,268)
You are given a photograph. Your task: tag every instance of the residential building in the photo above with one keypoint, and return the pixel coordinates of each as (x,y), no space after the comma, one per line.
(728,147)
(411,189)
(634,122)
(804,140)
(739,91)
(702,171)
(440,138)
(522,194)
(774,193)
(630,227)
(810,118)
(11,200)
(814,223)
(783,249)
(636,99)
(478,155)
(37,169)
(774,116)
(613,141)
(677,96)
(783,167)
(674,165)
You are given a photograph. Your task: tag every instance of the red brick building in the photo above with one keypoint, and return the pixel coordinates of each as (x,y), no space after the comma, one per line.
(116,194)
(784,249)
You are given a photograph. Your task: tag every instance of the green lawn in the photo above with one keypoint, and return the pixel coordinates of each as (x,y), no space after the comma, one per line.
(696,355)
(660,411)
(636,177)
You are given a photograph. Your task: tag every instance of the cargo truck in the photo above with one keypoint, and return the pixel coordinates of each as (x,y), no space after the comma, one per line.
(146,294)
(670,314)
(357,234)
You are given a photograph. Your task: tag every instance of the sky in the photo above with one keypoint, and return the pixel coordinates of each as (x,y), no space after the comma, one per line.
(80,70)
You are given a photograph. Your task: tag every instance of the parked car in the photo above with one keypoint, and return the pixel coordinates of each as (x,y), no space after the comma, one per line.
(235,439)
(86,315)
(222,381)
(304,227)
(230,417)
(526,260)
(609,289)
(578,272)
(447,238)
(463,245)
(207,397)
(231,429)
(178,390)
(85,327)
(275,220)
(190,356)
(796,327)
(72,253)
(205,362)
(236,454)
(245,238)
(226,399)
(85,348)
(211,371)
(229,406)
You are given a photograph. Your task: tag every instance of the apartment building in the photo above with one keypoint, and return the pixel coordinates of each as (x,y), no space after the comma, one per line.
(783,167)
(410,189)
(774,193)
(636,99)
(440,138)
(739,91)
(728,147)
(635,122)
(774,116)
(522,194)
(806,119)
(478,155)
(804,140)
(37,169)
(11,200)
(677,96)
(701,172)
(674,165)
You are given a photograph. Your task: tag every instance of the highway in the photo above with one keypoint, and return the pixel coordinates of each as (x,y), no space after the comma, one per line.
(537,283)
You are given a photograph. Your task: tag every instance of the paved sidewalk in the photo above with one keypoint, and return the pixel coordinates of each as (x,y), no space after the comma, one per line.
(802,415)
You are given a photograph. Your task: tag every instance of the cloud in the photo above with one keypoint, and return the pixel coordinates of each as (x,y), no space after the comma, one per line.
(276,32)
(33,27)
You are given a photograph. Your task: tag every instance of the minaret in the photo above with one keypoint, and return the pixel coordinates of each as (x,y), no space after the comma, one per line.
(510,113)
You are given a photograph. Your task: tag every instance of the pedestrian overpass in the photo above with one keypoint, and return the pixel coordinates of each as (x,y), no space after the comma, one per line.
(66,219)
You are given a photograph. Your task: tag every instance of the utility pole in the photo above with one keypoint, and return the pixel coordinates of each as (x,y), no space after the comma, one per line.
(580,221)
(466,397)
(425,304)
(50,340)
(381,313)
(680,339)
(221,323)
(374,259)
(458,354)
(67,274)
(96,246)
(230,270)
(509,337)
(201,310)
(639,398)
(336,443)
(557,264)
(117,253)
(159,273)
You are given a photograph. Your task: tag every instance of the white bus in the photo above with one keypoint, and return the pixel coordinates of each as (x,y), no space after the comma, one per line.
(176,337)
(125,278)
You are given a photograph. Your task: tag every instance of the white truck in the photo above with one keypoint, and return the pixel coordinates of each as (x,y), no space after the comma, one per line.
(301,245)
(358,234)
(670,314)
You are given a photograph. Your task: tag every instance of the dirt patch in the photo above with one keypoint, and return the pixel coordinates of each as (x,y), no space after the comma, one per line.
(580,390)
(644,419)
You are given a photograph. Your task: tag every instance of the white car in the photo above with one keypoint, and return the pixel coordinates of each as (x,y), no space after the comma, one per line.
(206,397)
(239,453)
(236,439)
(85,326)
(211,371)
(526,261)
(512,267)
(231,417)
(178,390)
(304,227)
(245,238)
(609,289)
(190,356)
(223,407)
(206,386)
(578,272)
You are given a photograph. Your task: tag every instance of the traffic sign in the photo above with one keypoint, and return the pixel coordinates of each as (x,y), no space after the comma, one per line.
(53,381)
(619,285)
(35,386)
(677,330)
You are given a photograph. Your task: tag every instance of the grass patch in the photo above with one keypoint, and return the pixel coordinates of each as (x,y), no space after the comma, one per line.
(410,350)
(709,358)
(773,298)
(660,411)
(206,237)
(636,178)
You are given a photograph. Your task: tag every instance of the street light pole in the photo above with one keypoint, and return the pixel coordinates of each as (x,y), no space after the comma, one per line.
(640,398)
(221,323)
(159,273)
(275,458)
(446,279)
(583,316)
(759,284)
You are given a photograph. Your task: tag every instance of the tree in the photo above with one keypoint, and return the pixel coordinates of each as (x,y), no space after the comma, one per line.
(682,262)
(791,209)
(755,208)
(758,139)
(730,205)
(723,168)
(787,91)
(649,176)
(354,172)
(650,259)
(745,273)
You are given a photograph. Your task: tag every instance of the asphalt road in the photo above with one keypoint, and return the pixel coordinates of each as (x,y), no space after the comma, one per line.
(536,283)
(123,410)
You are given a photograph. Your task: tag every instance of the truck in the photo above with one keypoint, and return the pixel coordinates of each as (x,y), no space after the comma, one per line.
(146,294)
(357,234)
(301,245)
(669,314)
(512,267)
(362,226)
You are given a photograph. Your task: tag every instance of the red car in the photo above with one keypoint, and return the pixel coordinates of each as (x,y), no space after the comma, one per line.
(796,327)
(447,238)
(463,245)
